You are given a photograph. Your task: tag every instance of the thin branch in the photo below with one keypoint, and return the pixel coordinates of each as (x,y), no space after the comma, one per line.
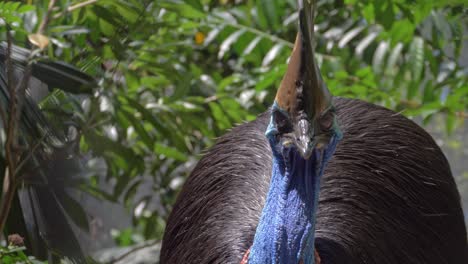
(16,101)
(11,154)
(131,251)
(30,153)
(74,7)
(46,19)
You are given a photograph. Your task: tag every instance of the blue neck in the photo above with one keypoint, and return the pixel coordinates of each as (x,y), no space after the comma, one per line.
(285,233)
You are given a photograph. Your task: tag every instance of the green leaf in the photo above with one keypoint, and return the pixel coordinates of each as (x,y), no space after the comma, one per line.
(379,57)
(402,31)
(416,58)
(183,9)
(228,42)
(169,152)
(106,28)
(252,45)
(393,58)
(127,11)
(139,128)
(384,12)
(350,35)
(105,15)
(221,120)
(25,8)
(195,4)
(272,54)
(270,9)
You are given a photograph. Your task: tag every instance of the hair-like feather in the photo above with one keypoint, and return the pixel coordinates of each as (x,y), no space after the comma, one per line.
(387,196)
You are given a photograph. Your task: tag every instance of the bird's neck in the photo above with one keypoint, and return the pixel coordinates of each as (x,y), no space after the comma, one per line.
(285,233)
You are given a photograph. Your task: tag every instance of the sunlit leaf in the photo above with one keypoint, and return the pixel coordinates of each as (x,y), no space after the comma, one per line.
(169,152)
(228,42)
(272,54)
(39,40)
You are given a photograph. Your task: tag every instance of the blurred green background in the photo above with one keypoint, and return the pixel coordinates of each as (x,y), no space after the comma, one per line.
(172,75)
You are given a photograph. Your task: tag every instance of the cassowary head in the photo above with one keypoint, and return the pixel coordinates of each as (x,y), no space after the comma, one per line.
(303,133)
(303,117)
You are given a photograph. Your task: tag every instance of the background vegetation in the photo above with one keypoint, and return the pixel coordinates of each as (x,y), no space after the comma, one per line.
(153,83)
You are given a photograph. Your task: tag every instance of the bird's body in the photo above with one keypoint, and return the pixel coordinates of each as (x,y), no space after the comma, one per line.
(318,181)
(387,196)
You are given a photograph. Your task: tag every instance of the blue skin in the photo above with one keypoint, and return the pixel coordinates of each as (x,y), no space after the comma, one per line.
(285,233)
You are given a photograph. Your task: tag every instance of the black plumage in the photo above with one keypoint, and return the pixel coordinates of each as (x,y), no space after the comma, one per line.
(387,196)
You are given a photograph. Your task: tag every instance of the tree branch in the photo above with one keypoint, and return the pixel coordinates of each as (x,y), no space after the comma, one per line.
(16,98)
(131,251)
(46,19)
(8,191)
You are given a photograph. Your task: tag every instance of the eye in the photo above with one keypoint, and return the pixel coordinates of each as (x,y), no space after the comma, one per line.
(326,120)
(282,122)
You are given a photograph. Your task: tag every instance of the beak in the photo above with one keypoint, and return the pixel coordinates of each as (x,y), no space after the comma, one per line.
(302,92)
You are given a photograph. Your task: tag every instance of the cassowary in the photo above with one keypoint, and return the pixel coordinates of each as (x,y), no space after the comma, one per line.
(318,180)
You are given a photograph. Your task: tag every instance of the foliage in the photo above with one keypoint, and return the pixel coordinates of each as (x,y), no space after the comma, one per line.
(14,254)
(126,237)
(10,11)
(175,74)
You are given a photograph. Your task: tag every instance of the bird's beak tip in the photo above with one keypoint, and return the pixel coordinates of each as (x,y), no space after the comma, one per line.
(306,152)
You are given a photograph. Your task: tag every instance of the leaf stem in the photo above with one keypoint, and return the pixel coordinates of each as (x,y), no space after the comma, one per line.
(74,7)
(46,19)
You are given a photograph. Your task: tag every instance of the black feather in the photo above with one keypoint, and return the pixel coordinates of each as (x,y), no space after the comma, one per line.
(387,196)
